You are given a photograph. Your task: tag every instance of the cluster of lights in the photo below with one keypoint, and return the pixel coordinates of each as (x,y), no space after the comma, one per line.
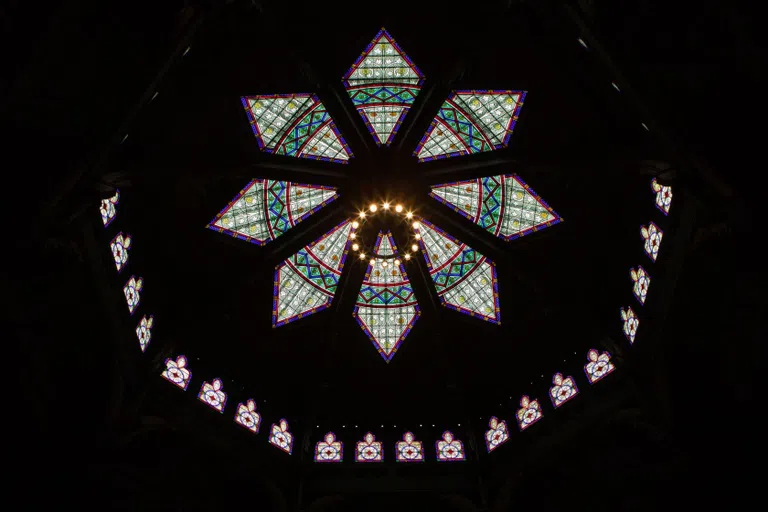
(386,206)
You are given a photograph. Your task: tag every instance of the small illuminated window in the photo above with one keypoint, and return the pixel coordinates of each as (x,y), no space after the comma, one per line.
(176,372)
(663,196)
(562,390)
(369,450)
(108,208)
(247,416)
(409,450)
(449,448)
(652,236)
(641,281)
(120,245)
(529,412)
(132,295)
(212,394)
(497,435)
(329,449)
(631,323)
(599,365)
(144,331)
(281,437)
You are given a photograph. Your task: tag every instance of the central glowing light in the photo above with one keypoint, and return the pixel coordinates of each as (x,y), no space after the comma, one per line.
(352,236)
(399,208)
(372,261)
(373,208)
(397,262)
(362,255)
(355,224)
(409,215)
(414,247)
(355,247)
(416,225)
(362,215)
(385,206)
(407,256)
(417,236)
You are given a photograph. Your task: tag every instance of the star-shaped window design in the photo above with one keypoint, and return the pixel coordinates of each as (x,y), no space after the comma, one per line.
(383,85)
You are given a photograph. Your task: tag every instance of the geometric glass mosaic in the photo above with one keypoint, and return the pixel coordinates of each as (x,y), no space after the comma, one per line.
(247,416)
(651,239)
(471,122)
(599,365)
(562,390)
(449,448)
(503,205)
(305,283)
(369,449)
(212,394)
(641,281)
(383,84)
(529,412)
(144,331)
(132,295)
(465,280)
(329,449)
(281,437)
(409,450)
(176,372)
(265,209)
(295,125)
(663,196)
(631,323)
(120,245)
(108,208)
(496,435)
(386,307)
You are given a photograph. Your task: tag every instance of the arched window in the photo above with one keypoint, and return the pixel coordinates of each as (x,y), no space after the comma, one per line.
(496,435)
(281,437)
(562,390)
(449,448)
(176,371)
(329,449)
(529,412)
(212,394)
(599,365)
(369,450)
(409,450)
(247,416)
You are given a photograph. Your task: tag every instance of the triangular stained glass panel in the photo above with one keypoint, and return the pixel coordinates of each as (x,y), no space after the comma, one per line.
(295,125)
(386,308)
(265,209)
(503,205)
(305,283)
(465,280)
(471,122)
(383,84)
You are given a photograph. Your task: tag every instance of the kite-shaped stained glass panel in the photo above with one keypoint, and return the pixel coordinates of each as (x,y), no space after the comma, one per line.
(265,209)
(640,283)
(504,205)
(663,196)
(295,125)
(120,245)
(465,280)
(305,283)
(652,236)
(383,84)
(329,449)
(132,292)
(108,208)
(631,323)
(144,331)
(471,122)
(386,308)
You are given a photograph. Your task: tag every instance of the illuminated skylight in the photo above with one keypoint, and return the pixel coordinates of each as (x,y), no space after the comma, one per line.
(631,323)
(132,291)
(369,450)
(503,205)
(562,390)
(305,283)
(471,122)
(641,281)
(599,365)
(663,196)
(281,437)
(329,449)
(176,372)
(144,331)
(108,208)
(265,209)
(449,448)
(295,125)
(652,239)
(465,280)
(496,435)
(386,307)
(383,83)
(409,450)
(212,394)
(120,245)
(247,416)
(529,412)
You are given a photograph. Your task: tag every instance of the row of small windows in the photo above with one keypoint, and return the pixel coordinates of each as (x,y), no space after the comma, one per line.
(329,449)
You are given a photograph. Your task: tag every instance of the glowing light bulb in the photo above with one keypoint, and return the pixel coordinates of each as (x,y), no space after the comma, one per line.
(373,208)
(407,256)
(409,215)
(397,262)
(385,206)
(399,208)
(416,225)
(362,215)
(417,236)
(373,261)
(355,247)
(362,255)
(384,264)
(414,247)
(355,224)
(352,236)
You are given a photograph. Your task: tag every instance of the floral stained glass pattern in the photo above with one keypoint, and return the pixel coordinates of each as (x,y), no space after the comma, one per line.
(410,450)
(641,281)
(305,283)
(449,448)
(631,323)
(108,208)
(144,331)
(212,394)
(329,449)
(281,437)
(599,365)
(383,84)
(120,245)
(132,291)
(386,308)
(176,372)
(496,435)
(663,196)
(652,239)
(265,209)
(562,390)
(504,205)
(471,122)
(295,125)
(369,450)
(465,280)
(529,412)
(247,416)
